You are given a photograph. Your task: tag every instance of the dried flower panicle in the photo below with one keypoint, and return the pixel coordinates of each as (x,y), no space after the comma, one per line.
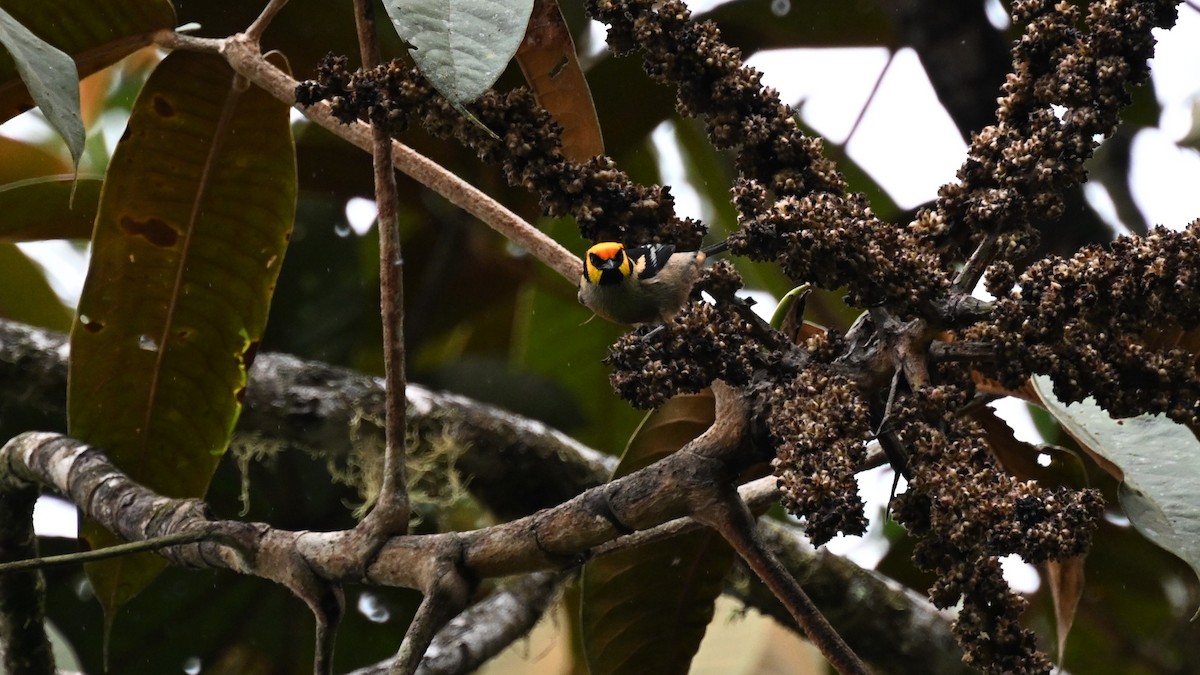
(607,205)
(1094,324)
(715,84)
(1070,80)
(835,240)
(703,343)
(967,512)
(819,425)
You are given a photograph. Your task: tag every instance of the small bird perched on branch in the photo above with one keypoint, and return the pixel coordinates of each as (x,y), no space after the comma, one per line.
(642,284)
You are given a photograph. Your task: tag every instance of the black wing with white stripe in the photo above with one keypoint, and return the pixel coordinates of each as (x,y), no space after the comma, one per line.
(655,256)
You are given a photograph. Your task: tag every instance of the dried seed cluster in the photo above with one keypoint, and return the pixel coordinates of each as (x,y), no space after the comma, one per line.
(792,203)
(967,513)
(835,240)
(702,343)
(1099,324)
(607,205)
(713,83)
(1068,85)
(819,423)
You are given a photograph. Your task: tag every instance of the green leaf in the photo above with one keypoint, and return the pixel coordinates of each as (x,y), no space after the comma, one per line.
(25,295)
(42,208)
(645,610)
(193,223)
(50,76)
(25,160)
(461,46)
(1160,461)
(95,33)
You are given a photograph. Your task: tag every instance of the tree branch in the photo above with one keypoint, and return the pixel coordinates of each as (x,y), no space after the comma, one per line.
(486,628)
(517,465)
(391,511)
(244,56)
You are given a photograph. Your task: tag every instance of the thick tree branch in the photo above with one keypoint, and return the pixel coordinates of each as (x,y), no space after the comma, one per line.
(517,465)
(555,538)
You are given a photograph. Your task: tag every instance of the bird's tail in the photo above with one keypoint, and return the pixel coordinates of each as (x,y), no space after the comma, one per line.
(719,247)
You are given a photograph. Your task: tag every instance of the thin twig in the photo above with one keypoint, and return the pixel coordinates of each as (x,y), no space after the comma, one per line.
(107,552)
(485,628)
(736,524)
(962,351)
(256,29)
(446,596)
(390,515)
(862,112)
(973,271)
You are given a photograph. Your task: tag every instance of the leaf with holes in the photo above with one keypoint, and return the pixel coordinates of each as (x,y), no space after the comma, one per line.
(193,223)
(461,46)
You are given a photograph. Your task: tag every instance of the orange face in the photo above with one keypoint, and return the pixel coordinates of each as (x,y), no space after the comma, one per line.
(606,263)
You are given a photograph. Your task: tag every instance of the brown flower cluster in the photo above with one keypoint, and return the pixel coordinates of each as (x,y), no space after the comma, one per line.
(792,203)
(714,84)
(703,343)
(834,240)
(1068,85)
(1099,324)
(967,512)
(819,424)
(607,205)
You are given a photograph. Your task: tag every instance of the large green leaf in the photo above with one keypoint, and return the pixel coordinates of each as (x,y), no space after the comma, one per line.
(42,208)
(194,219)
(645,610)
(1160,461)
(95,33)
(49,76)
(461,46)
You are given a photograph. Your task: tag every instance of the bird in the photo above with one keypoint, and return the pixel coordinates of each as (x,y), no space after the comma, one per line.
(640,285)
